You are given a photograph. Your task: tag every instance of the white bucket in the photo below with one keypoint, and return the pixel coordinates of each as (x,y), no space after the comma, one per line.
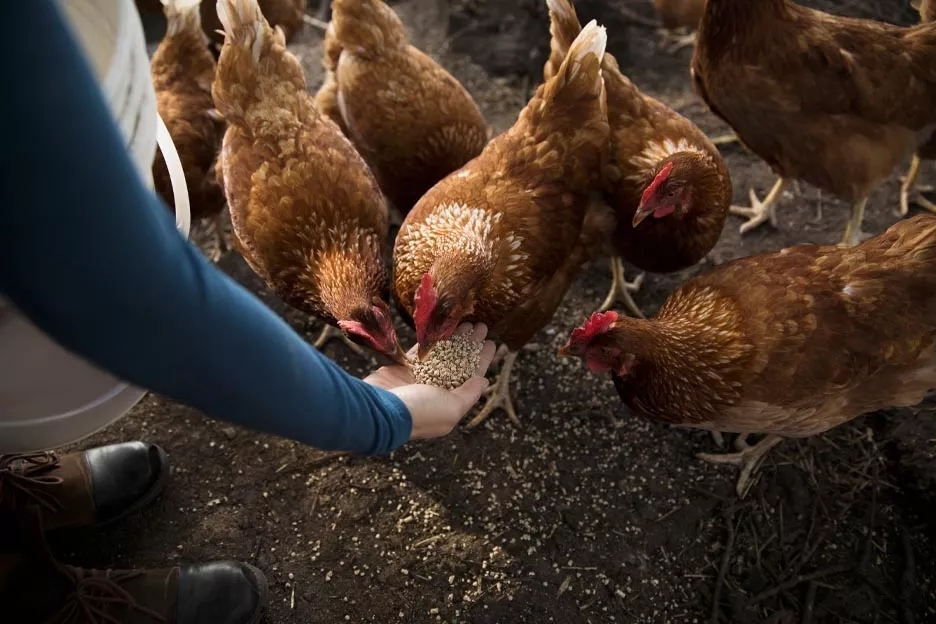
(49,397)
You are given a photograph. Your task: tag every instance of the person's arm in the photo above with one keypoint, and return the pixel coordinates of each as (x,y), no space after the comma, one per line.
(92,257)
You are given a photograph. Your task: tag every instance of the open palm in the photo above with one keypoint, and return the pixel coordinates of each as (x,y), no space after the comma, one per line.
(435,411)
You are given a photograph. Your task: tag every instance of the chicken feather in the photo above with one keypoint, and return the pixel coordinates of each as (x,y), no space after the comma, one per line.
(837,102)
(646,137)
(790,343)
(500,240)
(308,216)
(410,119)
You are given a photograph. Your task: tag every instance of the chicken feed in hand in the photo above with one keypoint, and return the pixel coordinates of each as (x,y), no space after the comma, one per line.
(450,364)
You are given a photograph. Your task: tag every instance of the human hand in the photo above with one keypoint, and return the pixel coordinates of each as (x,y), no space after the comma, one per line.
(436,411)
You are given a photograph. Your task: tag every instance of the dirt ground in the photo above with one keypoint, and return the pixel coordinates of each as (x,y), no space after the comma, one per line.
(586,514)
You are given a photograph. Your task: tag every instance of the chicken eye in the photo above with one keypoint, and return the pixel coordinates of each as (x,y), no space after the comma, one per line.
(607,350)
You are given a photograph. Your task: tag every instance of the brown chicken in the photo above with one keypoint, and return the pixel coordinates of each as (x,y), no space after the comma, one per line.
(927,10)
(666,181)
(409,118)
(287,14)
(789,344)
(680,19)
(183,70)
(308,216)
(833,101)
(500,240)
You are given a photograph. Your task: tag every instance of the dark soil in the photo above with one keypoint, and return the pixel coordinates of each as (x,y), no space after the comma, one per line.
(586,514)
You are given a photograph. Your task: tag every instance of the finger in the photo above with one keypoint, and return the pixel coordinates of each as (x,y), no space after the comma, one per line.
(487,355)
(464,329)
(470,392)
(479,333)
(412,352)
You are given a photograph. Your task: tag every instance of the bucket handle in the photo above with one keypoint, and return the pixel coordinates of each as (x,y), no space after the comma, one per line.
(183,212)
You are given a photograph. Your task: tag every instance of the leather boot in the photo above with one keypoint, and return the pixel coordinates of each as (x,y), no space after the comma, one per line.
(36,589)
(43,592)
(82,489)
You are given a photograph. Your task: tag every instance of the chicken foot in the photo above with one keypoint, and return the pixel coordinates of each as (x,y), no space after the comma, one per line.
(498,395)
(760,211)
(853,233)
(621,289)
(330,333)
(908,184)
(748,457)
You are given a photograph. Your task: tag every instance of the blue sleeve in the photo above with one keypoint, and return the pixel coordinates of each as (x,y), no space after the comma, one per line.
(92,257)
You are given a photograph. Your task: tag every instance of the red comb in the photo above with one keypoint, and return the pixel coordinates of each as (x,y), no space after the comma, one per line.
(424,301)
(598,323)
(425,287)
(661,177)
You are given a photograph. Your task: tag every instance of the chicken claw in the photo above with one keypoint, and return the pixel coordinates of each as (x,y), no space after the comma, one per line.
(908,184)
(621,289)
(498,395)
(748,457)
(760,211)
(329,333)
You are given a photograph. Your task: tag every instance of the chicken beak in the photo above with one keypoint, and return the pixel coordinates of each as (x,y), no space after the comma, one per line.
(564,352)
(422,351)
(642,213)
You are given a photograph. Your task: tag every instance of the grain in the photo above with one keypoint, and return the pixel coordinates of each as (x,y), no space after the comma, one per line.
(450,363)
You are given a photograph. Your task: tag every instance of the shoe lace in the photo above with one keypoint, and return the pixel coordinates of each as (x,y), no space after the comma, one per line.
(28,475)
(98,598)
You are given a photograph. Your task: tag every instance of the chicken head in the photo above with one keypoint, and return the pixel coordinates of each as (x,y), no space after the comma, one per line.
(438,311)
(373,328)
(678,186)
(594,343)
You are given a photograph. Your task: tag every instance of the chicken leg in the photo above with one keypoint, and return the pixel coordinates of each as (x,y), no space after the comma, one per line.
(748,457)
(499,395)
(329,333)
(621,289)
(760,211)
(673,41)
(724,139)
(909,182)
(853,233)
(222,246)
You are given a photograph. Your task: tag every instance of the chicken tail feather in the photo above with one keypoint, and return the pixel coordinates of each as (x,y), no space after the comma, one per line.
(181,15)
(564,27)
(244,24)
(580,71)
